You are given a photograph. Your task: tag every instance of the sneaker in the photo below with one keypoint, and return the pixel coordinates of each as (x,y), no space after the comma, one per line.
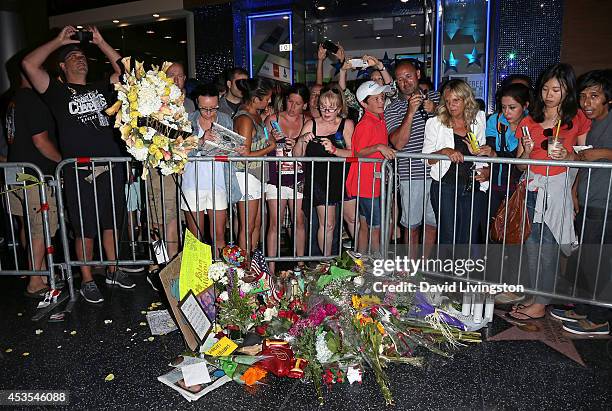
(132,268)
(566,315)
(586,327)
(153,280)
(90,292)
(119,278)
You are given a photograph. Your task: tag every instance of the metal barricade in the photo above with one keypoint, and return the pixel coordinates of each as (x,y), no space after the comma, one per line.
(546,267)
(91,205)
(27,196)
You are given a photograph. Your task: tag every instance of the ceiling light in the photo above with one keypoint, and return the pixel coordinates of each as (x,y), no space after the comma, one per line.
(364,4)
(167,37)
(377,37)
(321,8)
(413,25)
(79,27)
(115,21)
(183,41)
(156,15)
(118,49)
(150,32)
(399,36)
(285,17)
(314,42)
(163,19)
(123,25)
(345,25)
(359,19)
(404,1)
(422,35)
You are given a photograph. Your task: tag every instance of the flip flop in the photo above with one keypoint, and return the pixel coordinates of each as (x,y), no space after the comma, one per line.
(529,318)
(37,295)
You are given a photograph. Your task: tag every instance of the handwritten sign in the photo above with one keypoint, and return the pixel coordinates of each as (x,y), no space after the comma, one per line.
(197,257)
(222,348)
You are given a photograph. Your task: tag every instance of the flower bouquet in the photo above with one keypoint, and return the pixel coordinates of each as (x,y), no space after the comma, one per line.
(152,119)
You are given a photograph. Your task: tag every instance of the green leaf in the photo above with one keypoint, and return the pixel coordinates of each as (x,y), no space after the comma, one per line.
(21,177)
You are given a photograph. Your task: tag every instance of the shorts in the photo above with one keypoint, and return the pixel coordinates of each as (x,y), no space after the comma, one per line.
(204,200)
(110,204)
(411,193)
(34,215)
(286,193)
(253,184)
(157,210)
(369,208)
(132,195)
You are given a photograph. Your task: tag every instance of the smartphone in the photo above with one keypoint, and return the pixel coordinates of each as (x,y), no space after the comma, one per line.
(82,36)
(358,63)
(276,126)
(331,47)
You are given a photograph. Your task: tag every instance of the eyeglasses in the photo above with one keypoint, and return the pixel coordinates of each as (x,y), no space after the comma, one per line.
(328,109)
(208,109)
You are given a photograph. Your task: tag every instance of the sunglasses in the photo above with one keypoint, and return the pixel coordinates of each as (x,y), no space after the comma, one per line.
(208,109)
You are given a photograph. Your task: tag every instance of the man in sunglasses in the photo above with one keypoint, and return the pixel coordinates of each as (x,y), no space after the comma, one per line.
(406,118)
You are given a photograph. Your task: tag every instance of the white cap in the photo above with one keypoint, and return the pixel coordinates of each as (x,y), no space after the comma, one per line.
(371,88)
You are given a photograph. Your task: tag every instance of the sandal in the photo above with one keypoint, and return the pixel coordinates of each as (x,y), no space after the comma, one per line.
(529,318)
(37,295)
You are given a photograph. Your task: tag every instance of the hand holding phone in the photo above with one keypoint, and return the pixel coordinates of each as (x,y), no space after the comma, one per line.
(358,63)
(84,36)
(329,46)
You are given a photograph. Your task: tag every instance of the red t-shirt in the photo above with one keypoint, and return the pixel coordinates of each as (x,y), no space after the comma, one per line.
(580,125)
(371,130)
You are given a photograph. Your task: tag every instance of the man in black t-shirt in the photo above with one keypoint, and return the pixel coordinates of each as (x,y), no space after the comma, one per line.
(84,130)
(32,133)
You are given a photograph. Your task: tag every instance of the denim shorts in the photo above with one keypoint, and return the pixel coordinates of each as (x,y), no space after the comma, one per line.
(369,208)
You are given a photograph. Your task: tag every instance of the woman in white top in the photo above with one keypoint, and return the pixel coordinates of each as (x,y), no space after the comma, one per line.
(458,118)
(199,195)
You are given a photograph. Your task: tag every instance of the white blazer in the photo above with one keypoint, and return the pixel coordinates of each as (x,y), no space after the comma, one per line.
(438,136)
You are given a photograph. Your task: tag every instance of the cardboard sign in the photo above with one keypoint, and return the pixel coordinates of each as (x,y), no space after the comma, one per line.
(169,277)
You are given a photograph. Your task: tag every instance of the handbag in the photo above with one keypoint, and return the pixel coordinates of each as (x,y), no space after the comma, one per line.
(513,221)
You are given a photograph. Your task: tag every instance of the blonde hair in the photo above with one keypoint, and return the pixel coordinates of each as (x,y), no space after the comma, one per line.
(462,90)
(333,95)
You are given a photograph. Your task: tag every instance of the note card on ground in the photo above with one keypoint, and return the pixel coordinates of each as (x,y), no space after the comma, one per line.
(196,374)
(197,257)
(222,348)
(195,316)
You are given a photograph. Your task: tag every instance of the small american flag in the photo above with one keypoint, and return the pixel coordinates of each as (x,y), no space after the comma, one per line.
(259,267)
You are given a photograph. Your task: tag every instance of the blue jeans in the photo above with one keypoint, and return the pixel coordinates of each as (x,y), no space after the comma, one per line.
(443,202)
(548,253)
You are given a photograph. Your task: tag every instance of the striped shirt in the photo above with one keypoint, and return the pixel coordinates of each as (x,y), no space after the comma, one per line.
(394,115)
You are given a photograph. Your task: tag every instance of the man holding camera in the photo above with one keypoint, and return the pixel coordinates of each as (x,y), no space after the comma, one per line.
(406,117)
(84,130)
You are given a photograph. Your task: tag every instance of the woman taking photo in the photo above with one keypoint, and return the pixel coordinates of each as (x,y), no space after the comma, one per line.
(501,137)
(326,136)
(286,180)
(256,95)
(457,121)
(553,127)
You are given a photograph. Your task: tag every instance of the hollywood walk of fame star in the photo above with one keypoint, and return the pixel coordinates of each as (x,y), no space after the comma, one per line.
(474,57)
(547,330)
(451,63)
(386,61)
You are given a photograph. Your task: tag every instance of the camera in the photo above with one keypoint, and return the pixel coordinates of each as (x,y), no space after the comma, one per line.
(358,63)
(329,46)
(82,36)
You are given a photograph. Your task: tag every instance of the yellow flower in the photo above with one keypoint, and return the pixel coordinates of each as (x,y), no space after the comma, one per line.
(139,143)
(153,148)
(134,122)
(167,91)
(132,96)
(142,130)
(381,329)
(356,301)
(159,155)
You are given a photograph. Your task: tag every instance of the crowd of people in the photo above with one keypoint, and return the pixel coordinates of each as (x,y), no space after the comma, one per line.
(390,113)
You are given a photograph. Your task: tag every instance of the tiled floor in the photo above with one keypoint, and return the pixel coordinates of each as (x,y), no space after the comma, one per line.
(491,375)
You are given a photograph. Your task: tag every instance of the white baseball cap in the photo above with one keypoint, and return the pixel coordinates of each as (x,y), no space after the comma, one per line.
(371,88)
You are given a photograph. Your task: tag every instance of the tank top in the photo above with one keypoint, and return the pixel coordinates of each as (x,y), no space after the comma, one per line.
(287,168)
(319,174)
(258,142)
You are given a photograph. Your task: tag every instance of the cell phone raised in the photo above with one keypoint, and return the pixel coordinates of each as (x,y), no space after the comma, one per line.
(358,63)
(276,126)
(329,46)
(82,36)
